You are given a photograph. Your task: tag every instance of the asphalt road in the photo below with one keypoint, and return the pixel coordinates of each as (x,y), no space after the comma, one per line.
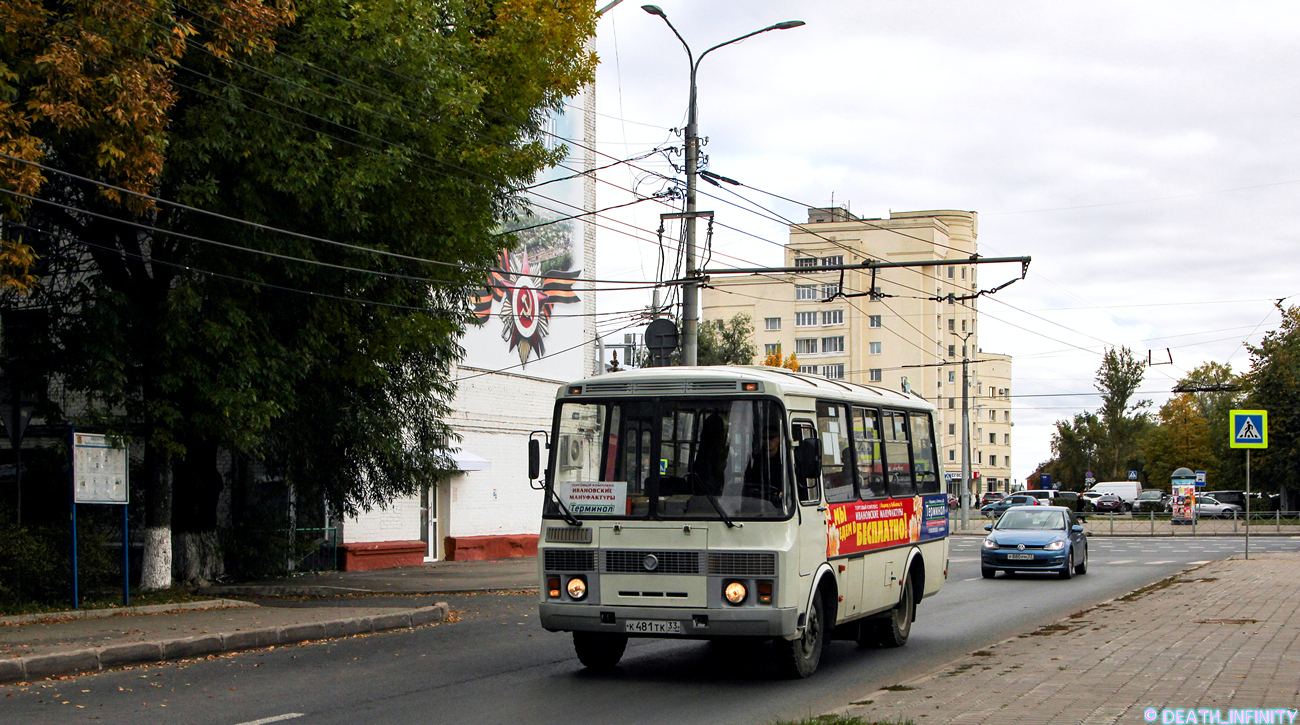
(496,665)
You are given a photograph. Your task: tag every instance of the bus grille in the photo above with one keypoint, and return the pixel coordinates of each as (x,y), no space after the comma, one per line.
(714,385)
(669,562)
(570,559)
(568,535)
(727,563)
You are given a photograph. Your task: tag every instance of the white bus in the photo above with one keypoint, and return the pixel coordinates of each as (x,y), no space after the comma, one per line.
(750,502)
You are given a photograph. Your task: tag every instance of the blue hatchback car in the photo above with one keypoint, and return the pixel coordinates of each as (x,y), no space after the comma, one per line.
(1035,538)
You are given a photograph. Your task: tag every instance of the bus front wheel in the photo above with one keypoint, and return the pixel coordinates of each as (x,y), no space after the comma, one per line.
(798,658)
(599,651)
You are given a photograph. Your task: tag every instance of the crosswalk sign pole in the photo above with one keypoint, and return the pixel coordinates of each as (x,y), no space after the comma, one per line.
(1248,429)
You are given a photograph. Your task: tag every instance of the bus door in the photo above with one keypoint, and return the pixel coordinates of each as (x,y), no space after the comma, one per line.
(839,482)
(811,537)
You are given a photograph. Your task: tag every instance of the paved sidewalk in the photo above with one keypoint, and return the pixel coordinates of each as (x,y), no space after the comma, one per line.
(1222,636)
(69,643)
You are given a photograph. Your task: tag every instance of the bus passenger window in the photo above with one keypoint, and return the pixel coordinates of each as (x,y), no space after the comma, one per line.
(898,462)
(866,442)
(833,430)
(924,468)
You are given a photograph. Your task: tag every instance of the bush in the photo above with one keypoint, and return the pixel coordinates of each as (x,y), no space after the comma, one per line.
(36,563)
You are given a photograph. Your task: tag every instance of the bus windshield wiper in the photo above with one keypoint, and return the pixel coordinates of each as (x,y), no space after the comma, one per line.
(569,518)
(725,518)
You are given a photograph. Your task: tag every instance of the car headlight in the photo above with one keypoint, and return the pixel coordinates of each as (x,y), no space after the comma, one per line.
(577,587)
(990,544)
(735,592)
(1055,546)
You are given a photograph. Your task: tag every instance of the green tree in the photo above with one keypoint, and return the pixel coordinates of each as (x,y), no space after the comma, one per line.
(400,128)
(1075,446)
(1273,384)
(1214,407)
(1180,438)
(1122,422)
(727,342)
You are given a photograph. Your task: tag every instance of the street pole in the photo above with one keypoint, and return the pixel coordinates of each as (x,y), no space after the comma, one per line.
(691,287)
(966,433)
(1247,503)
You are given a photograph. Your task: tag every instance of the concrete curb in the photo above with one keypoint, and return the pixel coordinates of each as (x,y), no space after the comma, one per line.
(149,609)
(96,659)
(272,591)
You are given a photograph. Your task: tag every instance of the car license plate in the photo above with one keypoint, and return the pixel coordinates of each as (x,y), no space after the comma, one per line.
(652,626)
(1021,557)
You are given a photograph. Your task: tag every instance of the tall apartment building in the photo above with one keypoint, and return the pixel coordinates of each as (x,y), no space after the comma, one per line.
(900,328)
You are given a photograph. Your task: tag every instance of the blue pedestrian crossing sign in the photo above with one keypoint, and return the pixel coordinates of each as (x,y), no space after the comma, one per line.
(1249,428)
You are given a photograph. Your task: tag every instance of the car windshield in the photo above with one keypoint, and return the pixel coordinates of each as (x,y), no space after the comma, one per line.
(677,459)
(1033,520)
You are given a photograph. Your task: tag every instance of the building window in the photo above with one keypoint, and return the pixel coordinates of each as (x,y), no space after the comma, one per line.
(805,319)
(1006,439)
(873,320)
(952,429)
(833,344)
(952,403)
(951,300)
(963,273)
(979,457)
(963,325)
(873,348)
(810,369)
(952,324)
(772,348)
(829,291)
(772,323)
(833,317)
(1006,416)
(993,439)
(952,454)
(993,460)
(951,271)
(834,372)
(979,387)
(877,375)
(805,292)
(805,346)
(952,352)
(835,261)
(952,376)
(805,262)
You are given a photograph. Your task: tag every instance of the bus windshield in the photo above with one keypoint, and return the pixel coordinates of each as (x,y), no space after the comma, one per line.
(672,459)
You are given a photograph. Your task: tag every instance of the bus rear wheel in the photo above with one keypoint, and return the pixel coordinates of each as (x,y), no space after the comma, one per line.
(896,627)
(798,658)
(599,651)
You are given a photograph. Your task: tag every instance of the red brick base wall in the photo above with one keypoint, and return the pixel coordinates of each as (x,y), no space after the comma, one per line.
(477,548)
(364,556)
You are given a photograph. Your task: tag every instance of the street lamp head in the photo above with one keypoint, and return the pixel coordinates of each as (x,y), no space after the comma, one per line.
(654,10)
(788,24)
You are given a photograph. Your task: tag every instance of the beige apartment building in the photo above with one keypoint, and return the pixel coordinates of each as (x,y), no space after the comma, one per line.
(901,328)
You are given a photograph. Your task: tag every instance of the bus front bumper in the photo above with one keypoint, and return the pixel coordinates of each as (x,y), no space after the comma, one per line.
(694,623)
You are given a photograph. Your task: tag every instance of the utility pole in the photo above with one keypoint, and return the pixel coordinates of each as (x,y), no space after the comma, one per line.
(965,430)
(691,287)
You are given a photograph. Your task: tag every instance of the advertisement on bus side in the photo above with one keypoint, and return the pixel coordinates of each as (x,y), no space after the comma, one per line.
(859,526)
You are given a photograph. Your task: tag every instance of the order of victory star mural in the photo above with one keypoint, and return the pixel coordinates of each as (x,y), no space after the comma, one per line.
(526,287)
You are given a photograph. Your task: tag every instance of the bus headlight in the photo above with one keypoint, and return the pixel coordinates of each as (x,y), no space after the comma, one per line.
(577,587)
(735,592)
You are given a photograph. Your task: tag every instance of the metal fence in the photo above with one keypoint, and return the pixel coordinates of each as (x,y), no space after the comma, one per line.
(1268,523)
(314,549)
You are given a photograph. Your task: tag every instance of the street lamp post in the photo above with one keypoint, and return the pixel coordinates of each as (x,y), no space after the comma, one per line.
(691,288)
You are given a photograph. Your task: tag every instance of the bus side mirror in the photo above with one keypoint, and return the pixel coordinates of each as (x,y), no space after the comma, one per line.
(808,459)
(534,459)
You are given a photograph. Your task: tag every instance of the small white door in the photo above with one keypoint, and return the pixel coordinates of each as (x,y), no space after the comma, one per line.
(429,523)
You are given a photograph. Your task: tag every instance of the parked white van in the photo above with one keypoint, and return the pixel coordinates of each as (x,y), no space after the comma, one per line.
(1126,490)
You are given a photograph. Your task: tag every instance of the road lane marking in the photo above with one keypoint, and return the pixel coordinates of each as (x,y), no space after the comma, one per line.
(277,718)
(958,561)
(1198,562)
(1121,561)
(1153,563)
(973,579)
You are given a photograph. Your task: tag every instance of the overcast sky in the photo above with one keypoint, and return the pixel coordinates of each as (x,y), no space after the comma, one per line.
(1144,154)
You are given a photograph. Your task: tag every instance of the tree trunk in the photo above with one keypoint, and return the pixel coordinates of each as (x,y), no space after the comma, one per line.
(156,572)
(197,486)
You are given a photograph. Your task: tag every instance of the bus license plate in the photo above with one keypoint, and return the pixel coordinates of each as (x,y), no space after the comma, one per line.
(1021,557)
(652,626)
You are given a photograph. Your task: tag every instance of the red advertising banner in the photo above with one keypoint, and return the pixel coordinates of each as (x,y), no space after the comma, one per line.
(859,526)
